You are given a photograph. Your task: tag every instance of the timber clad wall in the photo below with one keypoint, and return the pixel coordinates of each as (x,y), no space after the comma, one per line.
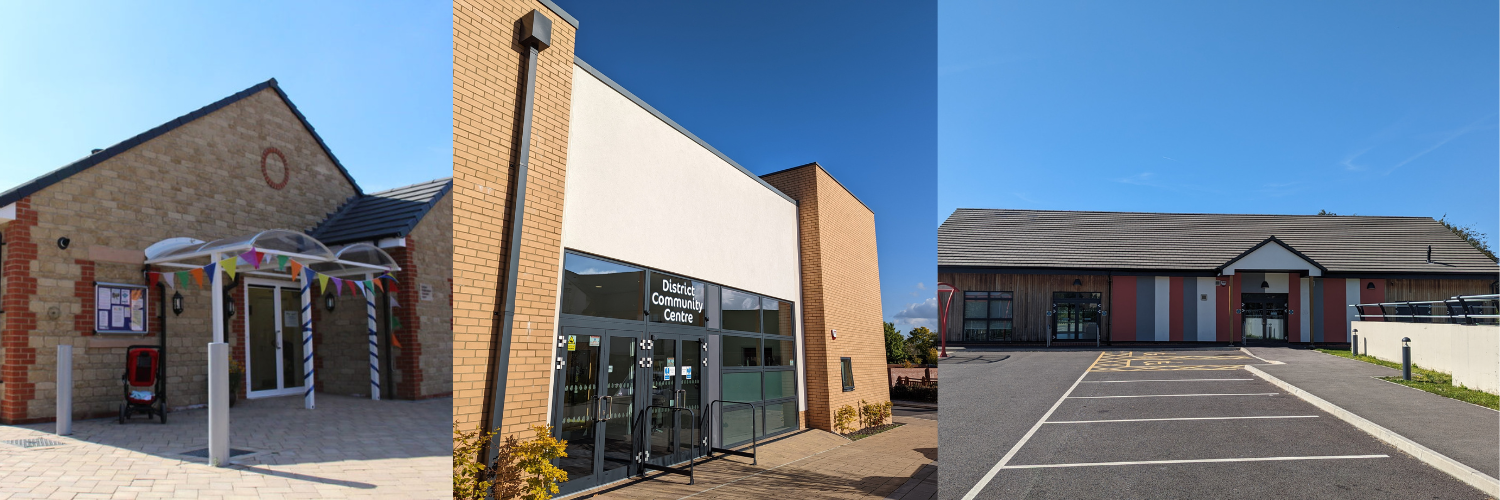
(202,180)
(1033,298)
(840,291)
(488,64)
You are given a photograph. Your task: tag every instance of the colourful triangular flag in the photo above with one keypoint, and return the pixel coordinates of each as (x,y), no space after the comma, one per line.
(197,276)
(338,286)
(252,257)
(182,278)
(296,268)
(323,282)
(171,280)
(281,261)
(151,279)
(353,290)
(229,266)
(394,342)
(369,285)
(394,304)
(379,286)
(208,270)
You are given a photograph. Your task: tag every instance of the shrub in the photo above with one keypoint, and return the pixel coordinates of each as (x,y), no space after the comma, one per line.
(523,469)
(915,392)
(873,414)
(844,418)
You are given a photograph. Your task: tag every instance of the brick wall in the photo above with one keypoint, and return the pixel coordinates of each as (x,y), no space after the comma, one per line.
(488,65)
(840,291)
(431,320)
(201,180)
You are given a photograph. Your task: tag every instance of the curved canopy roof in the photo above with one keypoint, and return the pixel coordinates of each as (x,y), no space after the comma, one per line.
(354,259)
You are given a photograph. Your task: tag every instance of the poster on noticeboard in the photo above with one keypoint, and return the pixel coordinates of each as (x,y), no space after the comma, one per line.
(119,308)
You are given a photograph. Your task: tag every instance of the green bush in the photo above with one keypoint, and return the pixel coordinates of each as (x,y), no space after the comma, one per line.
(895,345)
(843,419)
(914,392)
(523,469)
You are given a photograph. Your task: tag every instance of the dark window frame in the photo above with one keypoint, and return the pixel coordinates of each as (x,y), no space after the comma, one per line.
(988,297)
(846,371)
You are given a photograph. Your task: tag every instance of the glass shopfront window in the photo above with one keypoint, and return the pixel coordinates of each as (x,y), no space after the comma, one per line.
(741,311)
(679,301)
(593,287)
(780,352)
(987,316)
(741,351)
(776,316)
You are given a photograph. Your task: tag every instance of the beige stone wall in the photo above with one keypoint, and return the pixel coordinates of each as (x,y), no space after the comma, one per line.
(433,239)
(341,341)
(201,180)
(487,64)
(840,291)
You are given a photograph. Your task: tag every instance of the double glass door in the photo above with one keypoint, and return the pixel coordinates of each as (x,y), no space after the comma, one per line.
(273,335)
(1075,315)
(607,379)
(1265,316)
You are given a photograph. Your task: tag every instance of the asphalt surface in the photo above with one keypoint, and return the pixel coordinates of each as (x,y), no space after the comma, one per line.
(989,406)
(907,411)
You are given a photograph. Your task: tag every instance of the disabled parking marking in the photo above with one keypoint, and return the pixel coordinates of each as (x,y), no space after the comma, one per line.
(1128,361)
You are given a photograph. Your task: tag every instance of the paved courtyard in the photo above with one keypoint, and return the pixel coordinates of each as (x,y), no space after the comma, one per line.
(346,448)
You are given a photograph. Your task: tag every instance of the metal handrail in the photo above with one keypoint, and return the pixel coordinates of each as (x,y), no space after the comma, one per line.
(1463,308)
(707,418)
(644,459)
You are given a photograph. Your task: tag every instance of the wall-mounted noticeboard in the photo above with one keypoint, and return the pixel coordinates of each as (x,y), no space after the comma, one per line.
(120,308)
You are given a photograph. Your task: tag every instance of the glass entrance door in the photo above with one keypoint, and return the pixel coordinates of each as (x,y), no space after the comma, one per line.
(273,340)
(1265,316)
(596,405)
(676,381)
(1075,315)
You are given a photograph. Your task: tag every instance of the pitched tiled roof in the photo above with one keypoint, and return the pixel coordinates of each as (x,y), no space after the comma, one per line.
(29,187)
(1137,241)
(387,214)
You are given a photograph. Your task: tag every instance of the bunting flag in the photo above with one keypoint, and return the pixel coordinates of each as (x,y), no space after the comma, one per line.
(208,270)
(323,283)
(296,268)
(182,277)
(391,287)
(378,285)
(394,304)
(267,259)
(338,285)
(394,342)
(197,276)
(151,279)
(369,286)
(281,261)
(353,289)
(229,266)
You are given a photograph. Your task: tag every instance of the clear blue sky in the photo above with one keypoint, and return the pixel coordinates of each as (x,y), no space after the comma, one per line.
(374,78)
(1285,107)
(852,86)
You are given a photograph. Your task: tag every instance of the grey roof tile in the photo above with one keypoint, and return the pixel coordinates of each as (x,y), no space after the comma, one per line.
(387,214)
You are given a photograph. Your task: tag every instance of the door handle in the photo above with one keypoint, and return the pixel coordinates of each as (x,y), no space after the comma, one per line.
(601,410)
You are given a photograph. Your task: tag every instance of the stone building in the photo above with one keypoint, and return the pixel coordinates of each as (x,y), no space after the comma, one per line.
(245,165)
(611,265)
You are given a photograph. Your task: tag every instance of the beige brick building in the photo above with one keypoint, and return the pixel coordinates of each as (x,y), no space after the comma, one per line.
(650,270)
(245,164)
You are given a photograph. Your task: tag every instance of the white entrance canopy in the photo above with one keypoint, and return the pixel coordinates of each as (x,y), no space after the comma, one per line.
(358,261)
(1272,255)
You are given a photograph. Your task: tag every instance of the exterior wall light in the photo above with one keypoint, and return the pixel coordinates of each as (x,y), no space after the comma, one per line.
(1370,286)
(229,309)
(63,242)
(328,301)
(1077,282)
(177,303)
(1265,286)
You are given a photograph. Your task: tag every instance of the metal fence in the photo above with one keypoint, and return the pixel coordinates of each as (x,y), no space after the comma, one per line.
(1462,310)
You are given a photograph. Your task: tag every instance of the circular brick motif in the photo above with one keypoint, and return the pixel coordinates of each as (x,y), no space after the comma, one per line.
(286,170)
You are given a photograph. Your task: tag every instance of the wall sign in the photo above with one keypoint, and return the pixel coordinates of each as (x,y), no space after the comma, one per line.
(426,291)
(120,308)
(676,300)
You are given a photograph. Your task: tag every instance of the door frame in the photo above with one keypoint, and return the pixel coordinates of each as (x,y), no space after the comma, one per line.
(277,286)
(1098,318)
(633,330)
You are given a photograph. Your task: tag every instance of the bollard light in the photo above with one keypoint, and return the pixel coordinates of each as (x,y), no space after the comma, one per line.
(1406,358)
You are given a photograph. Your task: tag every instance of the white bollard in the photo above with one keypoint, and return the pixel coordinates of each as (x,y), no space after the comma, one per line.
(64,389)
(218,404)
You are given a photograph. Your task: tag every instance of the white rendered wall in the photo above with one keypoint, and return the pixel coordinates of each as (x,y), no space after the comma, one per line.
(1272,257)
(1468,352)
(1163,309)
(640,191)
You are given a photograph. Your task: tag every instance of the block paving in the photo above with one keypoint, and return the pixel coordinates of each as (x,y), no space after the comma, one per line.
(346,448)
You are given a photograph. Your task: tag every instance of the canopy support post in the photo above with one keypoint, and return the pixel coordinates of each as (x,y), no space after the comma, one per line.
(374,342)
(307,344)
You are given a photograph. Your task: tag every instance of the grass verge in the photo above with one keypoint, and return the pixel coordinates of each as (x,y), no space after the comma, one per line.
(1431,381)
(871,431)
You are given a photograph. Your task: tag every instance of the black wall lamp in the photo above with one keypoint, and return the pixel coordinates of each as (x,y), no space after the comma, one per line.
(229,309)
(1265,286)
(63,242)
(1077,282)
(328,301)
(1370,286)
(177,303)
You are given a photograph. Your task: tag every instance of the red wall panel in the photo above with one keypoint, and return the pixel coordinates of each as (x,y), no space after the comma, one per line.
(1335,310)
(1122,308)
(1294,302)
(1368,296)
(1174,310)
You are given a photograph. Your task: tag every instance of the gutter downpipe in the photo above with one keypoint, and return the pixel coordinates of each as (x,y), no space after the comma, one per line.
(535,34)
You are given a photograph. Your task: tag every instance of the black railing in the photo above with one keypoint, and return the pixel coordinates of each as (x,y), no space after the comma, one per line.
(1463,309)
(643,457)
(707,419)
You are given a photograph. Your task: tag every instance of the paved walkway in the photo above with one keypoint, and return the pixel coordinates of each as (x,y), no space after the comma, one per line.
(1462,431)
(346,448)
(810,464)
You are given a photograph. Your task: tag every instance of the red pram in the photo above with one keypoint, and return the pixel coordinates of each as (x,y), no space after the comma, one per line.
(142,383)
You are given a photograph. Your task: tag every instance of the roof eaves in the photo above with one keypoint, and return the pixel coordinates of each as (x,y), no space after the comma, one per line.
(830,176)
(319,138)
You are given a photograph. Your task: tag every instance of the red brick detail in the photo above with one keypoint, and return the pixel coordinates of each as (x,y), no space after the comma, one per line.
(83,290)
(235,334)
(18,321)
(410,360)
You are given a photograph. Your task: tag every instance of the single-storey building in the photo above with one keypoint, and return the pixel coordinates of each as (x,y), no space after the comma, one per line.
(1041,276)
(617,276)
(122,247)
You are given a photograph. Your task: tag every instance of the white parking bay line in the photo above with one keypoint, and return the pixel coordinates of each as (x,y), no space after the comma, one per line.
(989,476)
(1173,395)
(1198,461)
(1179,418)
(1168,380)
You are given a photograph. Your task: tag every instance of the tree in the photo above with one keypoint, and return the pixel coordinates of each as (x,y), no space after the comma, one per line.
(920,345)
(1469,234)
(895,344)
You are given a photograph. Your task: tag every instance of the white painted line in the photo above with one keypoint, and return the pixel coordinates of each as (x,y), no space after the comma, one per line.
(1167,419)
(1167,380)
(1199,461)
(1173,395)
(989,476)
(1441,462)
(1269,362)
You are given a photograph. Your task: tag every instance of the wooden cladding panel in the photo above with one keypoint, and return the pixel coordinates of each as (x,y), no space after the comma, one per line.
(1033,298)
(1411,289)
